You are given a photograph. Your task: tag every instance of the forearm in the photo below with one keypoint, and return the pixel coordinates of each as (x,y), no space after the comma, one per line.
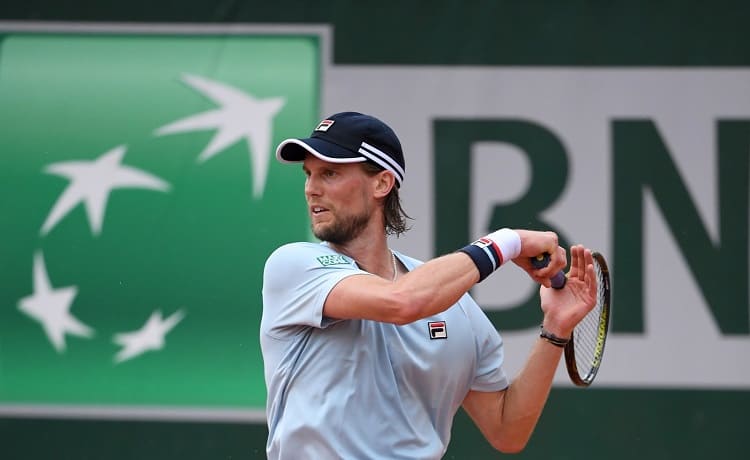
(439,283)
(436,285)
(527,395)
(425,291)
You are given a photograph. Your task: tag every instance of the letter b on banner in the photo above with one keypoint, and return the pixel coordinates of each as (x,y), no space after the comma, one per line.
(548,160)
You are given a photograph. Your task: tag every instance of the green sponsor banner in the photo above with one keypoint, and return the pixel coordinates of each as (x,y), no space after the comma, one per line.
(140,198)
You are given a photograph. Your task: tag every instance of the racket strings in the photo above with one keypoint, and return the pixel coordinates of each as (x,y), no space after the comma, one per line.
(586,333)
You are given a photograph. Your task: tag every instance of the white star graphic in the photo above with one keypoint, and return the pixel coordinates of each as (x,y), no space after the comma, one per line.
(240,115)
(51,307)
(149,337)
(91,183)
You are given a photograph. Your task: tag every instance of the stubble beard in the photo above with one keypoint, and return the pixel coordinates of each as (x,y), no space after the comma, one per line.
(343,230)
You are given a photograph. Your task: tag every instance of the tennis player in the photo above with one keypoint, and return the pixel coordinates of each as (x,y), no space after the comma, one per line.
(369,353)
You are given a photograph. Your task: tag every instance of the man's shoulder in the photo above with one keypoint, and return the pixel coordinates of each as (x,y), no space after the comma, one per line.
(301,247)
(303,250)
(298,246)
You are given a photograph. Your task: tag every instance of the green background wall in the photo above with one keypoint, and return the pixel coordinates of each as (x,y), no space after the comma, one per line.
(577,424)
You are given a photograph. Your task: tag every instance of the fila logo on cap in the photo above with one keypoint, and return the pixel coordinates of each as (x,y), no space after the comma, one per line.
(324,125)
(437,330)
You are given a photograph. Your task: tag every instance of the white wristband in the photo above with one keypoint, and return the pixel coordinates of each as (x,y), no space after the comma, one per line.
(508,241)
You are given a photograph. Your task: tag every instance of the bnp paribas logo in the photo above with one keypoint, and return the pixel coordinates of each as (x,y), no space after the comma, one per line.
(139,202)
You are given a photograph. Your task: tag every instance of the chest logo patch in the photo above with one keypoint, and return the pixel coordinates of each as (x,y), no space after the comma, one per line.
(437,330)
(332,260)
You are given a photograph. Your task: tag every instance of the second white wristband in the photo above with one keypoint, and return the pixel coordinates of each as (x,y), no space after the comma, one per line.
(509,242)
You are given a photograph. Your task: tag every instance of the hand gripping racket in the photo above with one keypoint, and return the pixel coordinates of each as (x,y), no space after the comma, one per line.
(584,352)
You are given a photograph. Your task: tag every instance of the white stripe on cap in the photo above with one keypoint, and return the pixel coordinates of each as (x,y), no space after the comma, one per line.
(382,159)
(314,152)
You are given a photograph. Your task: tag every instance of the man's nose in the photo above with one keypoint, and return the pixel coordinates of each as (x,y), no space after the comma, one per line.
(312,186)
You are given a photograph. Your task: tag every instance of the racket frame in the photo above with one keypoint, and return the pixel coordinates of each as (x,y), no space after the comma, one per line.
(602,328)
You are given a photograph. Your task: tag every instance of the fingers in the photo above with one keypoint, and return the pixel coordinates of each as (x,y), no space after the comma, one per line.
(584,263)
(577,268)
(543,281)
(534,243)
(558,261)
(575,264)
(563,257)
(580,261)
(582,269)
(591,280)
(589,258)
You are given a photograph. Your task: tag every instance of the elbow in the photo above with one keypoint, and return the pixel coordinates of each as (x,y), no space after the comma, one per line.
(407,308)
(405,314)
(509,446)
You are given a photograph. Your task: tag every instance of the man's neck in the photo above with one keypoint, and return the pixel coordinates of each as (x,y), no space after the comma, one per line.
(371,252)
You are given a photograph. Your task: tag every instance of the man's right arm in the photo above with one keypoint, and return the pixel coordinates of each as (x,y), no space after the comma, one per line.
(430,288)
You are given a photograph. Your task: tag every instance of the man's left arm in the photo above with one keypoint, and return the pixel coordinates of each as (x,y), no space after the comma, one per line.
(507,418)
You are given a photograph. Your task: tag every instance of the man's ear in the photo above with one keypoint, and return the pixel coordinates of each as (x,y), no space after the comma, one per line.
(384,182)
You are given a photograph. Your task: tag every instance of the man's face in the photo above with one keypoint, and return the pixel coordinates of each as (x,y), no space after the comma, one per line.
(338,198)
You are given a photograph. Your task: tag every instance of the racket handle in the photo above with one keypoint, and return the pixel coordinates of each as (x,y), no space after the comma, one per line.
(541,261)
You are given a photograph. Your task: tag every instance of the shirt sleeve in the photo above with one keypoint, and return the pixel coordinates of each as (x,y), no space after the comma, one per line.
(489,374)
(297,279)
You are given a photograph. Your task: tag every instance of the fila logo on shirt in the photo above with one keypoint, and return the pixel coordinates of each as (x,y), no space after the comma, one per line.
(437,330)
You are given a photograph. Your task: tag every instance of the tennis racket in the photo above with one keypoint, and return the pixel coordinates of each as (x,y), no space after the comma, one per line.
(584,352)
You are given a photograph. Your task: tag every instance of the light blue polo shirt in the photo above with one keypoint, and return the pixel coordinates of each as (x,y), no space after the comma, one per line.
(360,389)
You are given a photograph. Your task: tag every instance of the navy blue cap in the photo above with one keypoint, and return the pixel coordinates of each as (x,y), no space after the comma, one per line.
(349,137)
